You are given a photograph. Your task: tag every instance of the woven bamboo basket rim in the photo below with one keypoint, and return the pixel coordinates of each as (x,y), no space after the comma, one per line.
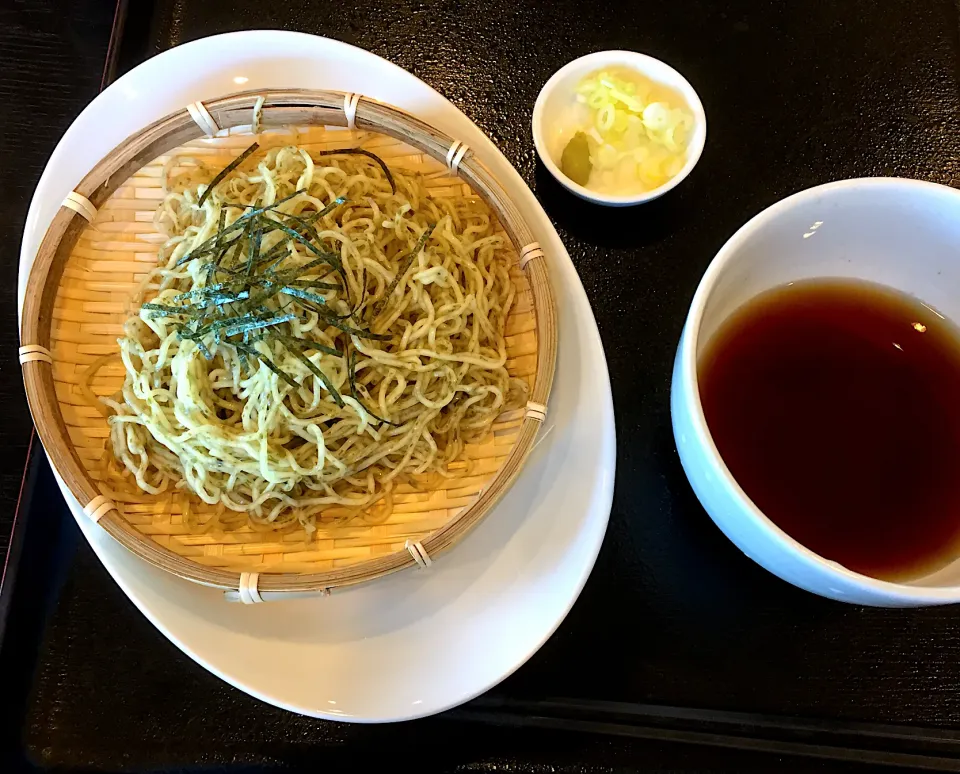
(280,108)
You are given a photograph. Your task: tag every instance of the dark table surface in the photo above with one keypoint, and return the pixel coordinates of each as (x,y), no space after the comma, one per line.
(52,57)
(796,94)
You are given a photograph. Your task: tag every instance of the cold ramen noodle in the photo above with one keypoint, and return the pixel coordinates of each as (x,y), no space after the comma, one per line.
(319,330)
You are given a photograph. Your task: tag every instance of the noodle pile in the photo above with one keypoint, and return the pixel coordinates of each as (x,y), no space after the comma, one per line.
(373,365)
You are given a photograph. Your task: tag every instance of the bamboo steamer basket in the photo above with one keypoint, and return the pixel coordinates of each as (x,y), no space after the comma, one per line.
(102,242)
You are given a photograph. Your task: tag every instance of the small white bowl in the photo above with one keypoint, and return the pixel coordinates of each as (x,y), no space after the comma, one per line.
(900,233)
(557,97)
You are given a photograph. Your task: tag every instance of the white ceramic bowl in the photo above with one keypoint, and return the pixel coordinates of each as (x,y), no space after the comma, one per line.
(557,97)
(901,233)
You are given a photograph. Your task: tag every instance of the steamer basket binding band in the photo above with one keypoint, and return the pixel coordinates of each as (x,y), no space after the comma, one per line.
(101,244)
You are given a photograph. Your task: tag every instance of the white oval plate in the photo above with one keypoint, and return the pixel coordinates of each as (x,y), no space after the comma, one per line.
(418,642)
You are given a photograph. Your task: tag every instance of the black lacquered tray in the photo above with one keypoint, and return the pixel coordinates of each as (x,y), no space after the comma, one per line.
(680,653)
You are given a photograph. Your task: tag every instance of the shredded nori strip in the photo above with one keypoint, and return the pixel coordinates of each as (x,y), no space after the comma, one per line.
(199,308)
(306,227)
(303,294)
(308,344)
(256,236)
(352,377)
(207,354)
(404,265)
(270,290)
(276,226)
(316,284)
(216,265)
(334,261)
(227,298)
(165,310)
(218,325)
(369,155)
(220,224)
(279,247)
(230,307)
(337,322)
(226,171)
(283,277)
(315,216)
(363,294)
(210,246)
(295,350)
(332,258)
(205,291)
(256,209)
(254,325)
(241,222)
(268,363)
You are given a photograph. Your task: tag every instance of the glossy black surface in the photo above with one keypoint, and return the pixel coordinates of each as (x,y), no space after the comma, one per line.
(796,94)
(105,692)
(52,55)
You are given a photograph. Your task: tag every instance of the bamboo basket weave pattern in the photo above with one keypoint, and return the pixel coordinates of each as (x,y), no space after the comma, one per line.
(113,255)
(100,275)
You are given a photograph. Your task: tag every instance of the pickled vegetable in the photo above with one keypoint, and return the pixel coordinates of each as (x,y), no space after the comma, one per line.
(575,162)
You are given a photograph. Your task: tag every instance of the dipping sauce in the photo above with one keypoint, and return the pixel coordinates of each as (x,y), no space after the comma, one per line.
(835,404)
(627,134)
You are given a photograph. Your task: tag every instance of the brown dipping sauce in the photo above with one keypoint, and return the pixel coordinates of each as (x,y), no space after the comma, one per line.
(835,404)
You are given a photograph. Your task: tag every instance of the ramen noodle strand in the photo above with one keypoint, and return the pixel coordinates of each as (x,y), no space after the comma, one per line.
(429,276)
